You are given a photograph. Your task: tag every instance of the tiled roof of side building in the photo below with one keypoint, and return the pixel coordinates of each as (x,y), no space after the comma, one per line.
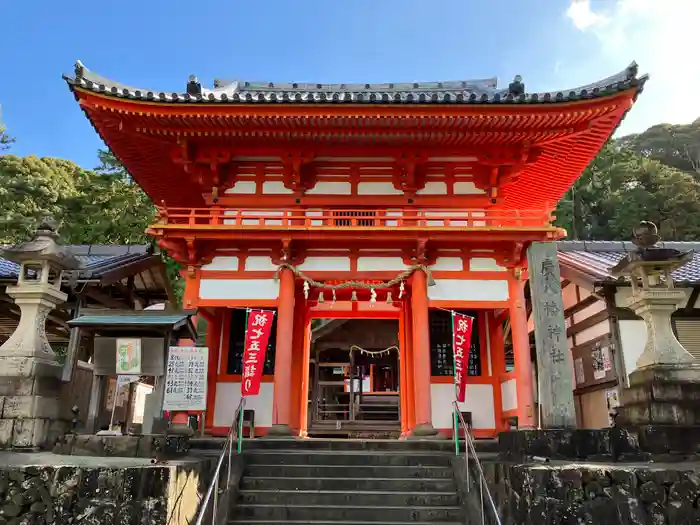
(596,258)
(483,91)
(95,258)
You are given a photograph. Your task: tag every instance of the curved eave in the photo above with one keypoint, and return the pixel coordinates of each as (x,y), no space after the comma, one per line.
(340,94)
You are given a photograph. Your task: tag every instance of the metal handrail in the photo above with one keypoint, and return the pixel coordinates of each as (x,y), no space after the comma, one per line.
(234,434)
(483,486)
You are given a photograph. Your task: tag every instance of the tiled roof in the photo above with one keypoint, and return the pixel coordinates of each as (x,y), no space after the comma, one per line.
(483,91)
(596,258)
(96,258)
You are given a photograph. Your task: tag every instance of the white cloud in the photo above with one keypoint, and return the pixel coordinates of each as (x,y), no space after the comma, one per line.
(661,36)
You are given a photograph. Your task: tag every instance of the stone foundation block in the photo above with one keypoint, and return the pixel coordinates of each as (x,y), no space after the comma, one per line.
(611,444)
(30,433)
(20,407)
(45,386)
(6,427)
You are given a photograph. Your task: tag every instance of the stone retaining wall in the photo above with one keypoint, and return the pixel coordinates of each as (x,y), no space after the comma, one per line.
(124,494)
(601,494)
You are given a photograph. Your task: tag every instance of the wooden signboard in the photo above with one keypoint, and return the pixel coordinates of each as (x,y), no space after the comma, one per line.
(186,379)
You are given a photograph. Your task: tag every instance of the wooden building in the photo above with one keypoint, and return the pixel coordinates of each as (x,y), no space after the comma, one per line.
(126,277)
(606,340)
(387,203)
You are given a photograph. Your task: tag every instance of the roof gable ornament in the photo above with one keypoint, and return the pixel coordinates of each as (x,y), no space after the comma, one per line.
(516,87)
(194,88)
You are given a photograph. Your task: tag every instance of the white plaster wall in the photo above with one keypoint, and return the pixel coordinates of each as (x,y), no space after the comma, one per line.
(594,331)
(568,296)
(222,263)
(448,264)
(433,188)
(633,337)
(330,188)
(593,309)
(509,395)
(485,264)
(377,188)
(259,263)
(478,401)
(276,187)
(260,217)
(228,395)
(468,290)
(379,264)
(466,188)
(238,289)
(320,264)
(243,187)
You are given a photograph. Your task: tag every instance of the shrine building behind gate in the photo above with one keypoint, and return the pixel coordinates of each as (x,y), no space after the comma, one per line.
(363,214)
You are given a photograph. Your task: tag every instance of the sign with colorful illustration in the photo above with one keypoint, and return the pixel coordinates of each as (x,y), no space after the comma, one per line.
(128,356)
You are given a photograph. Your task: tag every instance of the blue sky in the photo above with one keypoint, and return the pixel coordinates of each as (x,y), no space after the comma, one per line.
(553,44)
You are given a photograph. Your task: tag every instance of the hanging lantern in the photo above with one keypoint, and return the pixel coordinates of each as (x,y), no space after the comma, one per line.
(306,289)
(353,297)
(389,300)
(401,290)
(372,297)
(333,295)
(320,298)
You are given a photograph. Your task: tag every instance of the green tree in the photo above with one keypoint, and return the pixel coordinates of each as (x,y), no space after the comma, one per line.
(5,139)
(677,146)
(620,188)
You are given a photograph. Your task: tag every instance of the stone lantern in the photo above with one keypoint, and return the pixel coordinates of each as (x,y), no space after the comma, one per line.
(29,373)
(663,389)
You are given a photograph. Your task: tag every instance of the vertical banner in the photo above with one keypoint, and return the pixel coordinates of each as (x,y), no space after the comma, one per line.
(128,356)
(257,335)
(461,344)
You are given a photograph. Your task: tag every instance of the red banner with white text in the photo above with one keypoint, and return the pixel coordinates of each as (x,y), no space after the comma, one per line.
(461,344)
(257,335)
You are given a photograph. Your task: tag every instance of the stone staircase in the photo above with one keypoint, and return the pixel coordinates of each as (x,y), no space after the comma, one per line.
(347,482)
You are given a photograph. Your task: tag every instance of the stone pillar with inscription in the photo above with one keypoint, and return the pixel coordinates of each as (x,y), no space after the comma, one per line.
(554,364)
(30,376)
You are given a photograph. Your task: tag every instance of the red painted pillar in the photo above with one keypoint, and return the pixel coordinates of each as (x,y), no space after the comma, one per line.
(213,343)
(521,353)
(281,410)
(421,356)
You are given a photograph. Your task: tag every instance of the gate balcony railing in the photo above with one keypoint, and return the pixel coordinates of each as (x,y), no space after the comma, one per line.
(316,218)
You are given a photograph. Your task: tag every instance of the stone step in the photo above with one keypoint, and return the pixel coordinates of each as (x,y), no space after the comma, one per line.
(403,445)
(348,458)
(341,497)
(335,522)
(347,471)
(303,483)
(265,513)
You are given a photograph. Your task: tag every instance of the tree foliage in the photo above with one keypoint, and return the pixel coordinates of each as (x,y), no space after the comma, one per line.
(5,139)
(653,176)
(677,146)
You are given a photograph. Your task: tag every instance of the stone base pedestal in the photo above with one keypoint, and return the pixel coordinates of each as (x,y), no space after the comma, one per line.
(661,408)
(30,411)
(280,431)
(425,431)
(661,395)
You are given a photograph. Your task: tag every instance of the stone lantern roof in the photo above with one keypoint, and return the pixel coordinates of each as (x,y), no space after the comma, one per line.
(648,257)
(43,247)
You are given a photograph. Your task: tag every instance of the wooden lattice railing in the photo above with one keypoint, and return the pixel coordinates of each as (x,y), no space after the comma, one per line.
(271,219)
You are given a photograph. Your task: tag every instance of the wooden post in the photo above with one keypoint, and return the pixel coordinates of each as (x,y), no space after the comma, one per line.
(281,410)
(553,359)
